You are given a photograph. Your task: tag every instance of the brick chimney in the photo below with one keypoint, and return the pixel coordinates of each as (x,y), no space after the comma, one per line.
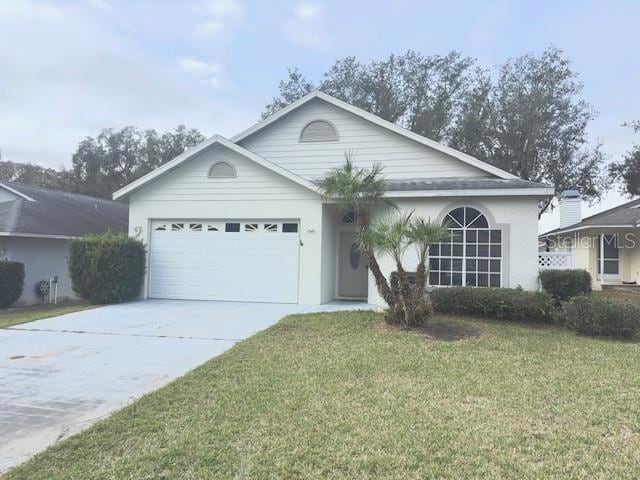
(570,204)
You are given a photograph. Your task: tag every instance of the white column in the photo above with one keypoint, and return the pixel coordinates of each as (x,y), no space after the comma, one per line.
(601,258)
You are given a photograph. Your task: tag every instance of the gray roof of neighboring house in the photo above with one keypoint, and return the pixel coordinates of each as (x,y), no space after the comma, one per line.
(459,183)
(627,214)
(52,212)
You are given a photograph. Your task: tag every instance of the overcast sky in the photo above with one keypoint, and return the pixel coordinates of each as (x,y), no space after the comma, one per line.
(70,68)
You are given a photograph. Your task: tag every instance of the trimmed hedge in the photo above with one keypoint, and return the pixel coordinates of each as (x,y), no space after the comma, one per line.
(512,304)
(599,316)
(11,282)
(565,284)
(107,268)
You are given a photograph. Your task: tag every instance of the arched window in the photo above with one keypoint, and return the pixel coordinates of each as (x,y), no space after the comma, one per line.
(473,254)
(318,131)
(222,170)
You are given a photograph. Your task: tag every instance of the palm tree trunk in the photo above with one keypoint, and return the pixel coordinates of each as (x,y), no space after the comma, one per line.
(406,296)
(381,282)
(421,277)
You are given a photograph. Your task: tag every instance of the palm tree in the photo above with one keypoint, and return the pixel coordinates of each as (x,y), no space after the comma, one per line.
(360,190)
(422,234)
(393,236)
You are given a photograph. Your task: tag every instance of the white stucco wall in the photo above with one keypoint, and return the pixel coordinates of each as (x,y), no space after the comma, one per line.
(43,258)
(256,194)
(518,219)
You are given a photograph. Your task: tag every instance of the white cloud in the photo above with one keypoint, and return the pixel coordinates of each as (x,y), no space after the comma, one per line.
(100,4)
(307,27)
(217,17)
(210,73)
(76,73)
(306,10)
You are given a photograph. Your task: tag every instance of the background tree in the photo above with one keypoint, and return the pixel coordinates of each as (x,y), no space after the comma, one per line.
(627,170)
(291,89)
(539,125)
(421,93)
(531,120)
(115,158)
(30,174)
(103,164)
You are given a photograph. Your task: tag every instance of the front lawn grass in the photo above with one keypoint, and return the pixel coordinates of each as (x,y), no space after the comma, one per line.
(20,315)
(614,294)
(339,395)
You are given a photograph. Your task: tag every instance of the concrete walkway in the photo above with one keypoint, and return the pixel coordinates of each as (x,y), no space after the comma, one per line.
(58,375)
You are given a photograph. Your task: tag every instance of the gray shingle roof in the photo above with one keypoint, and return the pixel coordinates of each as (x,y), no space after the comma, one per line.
(627,214)
(53,212)
(459,183)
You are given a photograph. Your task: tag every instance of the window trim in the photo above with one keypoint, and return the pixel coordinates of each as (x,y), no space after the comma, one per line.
(335,137)
(222,162)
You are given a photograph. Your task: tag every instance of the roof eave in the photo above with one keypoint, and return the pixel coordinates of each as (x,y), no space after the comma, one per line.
(585,227)
(38,235)
(16,192)
(541,192)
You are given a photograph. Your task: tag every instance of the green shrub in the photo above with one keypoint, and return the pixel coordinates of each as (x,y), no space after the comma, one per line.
(566,284)
(107,268)
(599,316)
(11,282)
(512,304)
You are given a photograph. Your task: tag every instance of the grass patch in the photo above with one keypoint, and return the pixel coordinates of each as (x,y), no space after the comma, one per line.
(20,315)
(613,294)
(336,396)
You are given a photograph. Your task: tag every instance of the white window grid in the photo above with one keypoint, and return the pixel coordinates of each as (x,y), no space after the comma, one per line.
(471,256)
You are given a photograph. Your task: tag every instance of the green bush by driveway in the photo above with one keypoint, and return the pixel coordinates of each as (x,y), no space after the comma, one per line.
(107,268)
(11,282)
(342,396)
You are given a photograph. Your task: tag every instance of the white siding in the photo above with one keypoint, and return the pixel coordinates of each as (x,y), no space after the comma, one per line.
(190,182)
(401,157)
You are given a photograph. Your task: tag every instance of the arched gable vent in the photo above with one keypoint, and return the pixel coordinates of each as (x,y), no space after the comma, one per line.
(318,131)
(222,170)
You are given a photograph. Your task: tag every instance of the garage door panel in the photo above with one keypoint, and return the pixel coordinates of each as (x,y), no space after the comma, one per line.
(259,265)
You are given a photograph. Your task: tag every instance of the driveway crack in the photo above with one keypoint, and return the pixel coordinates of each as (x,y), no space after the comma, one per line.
(145,335)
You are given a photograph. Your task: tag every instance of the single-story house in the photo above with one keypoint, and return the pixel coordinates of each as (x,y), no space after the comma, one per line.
(578,242)
(242,219)
(36,225)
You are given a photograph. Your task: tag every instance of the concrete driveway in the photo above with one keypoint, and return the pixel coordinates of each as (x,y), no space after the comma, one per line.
(58,375)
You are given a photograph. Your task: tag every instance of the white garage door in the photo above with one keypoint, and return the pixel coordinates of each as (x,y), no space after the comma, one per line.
(231,260)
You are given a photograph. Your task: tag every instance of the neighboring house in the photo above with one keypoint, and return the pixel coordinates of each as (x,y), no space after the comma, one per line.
(36,225)
(242,219)
(578,242)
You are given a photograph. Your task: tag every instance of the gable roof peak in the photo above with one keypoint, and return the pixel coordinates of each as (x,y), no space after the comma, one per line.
(370,117)
(209,143)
